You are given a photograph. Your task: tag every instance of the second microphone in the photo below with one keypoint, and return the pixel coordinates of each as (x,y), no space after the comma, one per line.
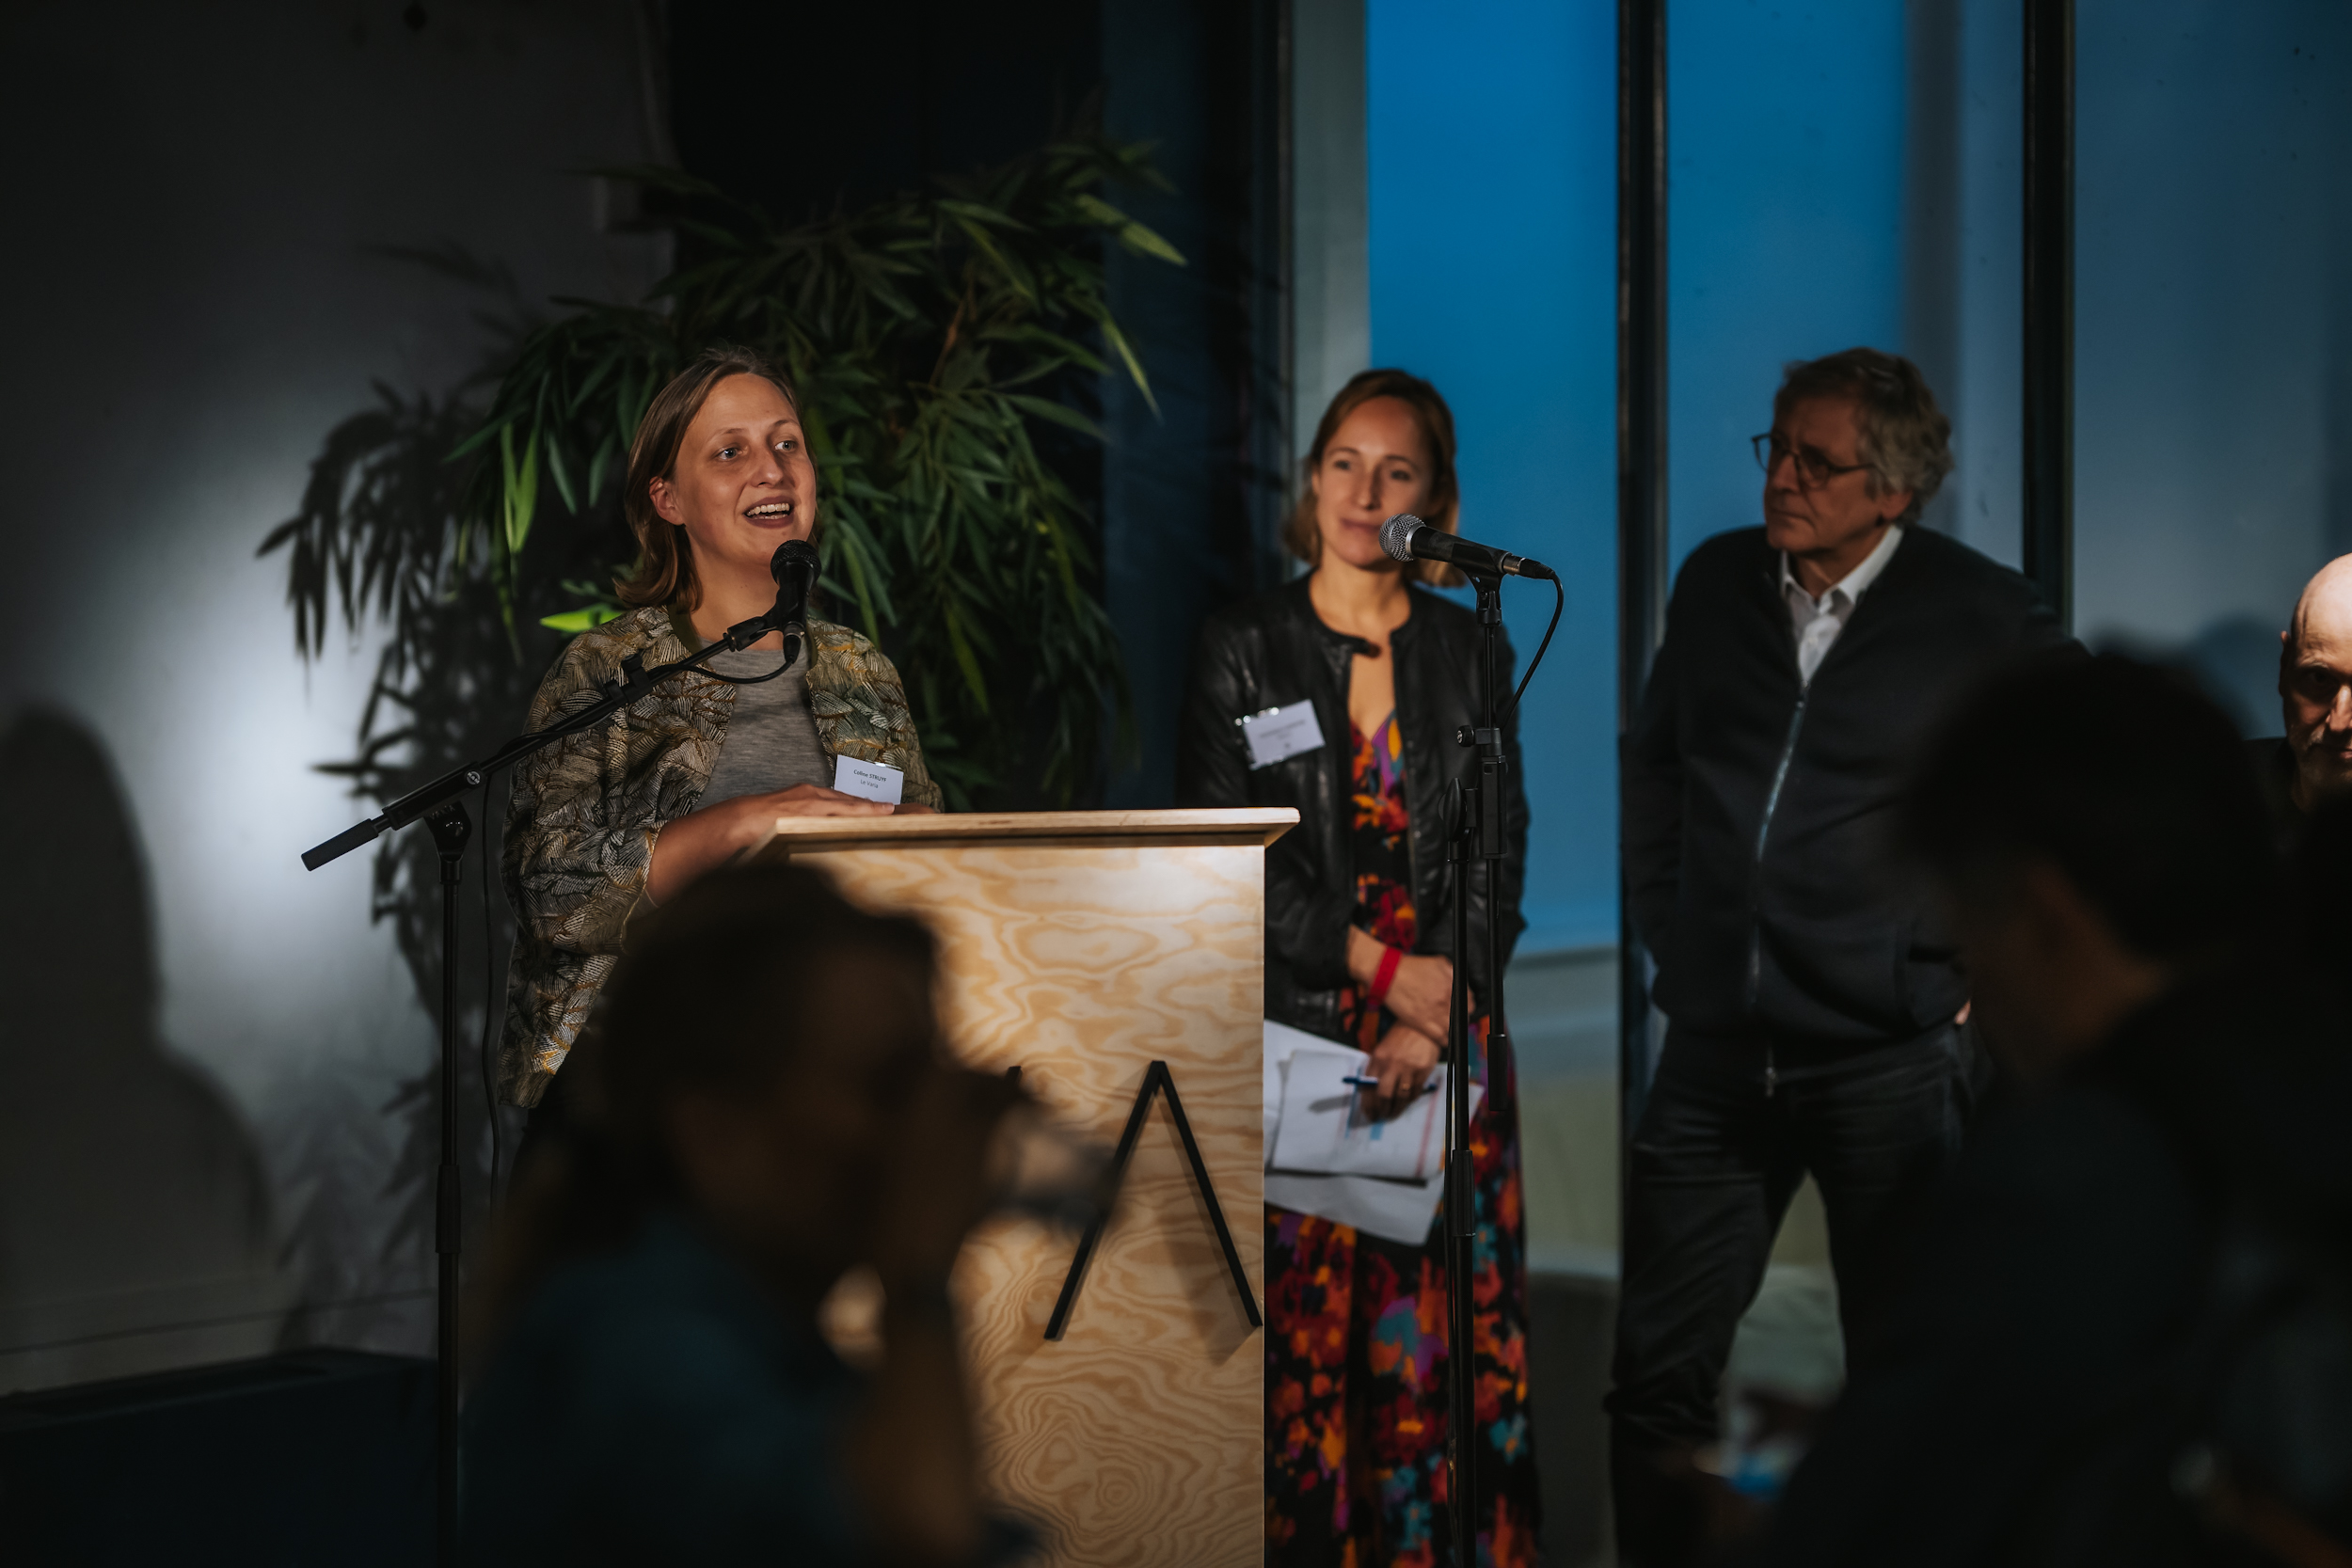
(1405,537)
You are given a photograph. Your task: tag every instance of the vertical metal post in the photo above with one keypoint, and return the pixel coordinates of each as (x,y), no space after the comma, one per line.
(1641,560)
(1276,429)
(2049,303)
(452,827)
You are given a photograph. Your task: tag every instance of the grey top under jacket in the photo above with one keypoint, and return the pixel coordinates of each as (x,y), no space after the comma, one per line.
(771,744)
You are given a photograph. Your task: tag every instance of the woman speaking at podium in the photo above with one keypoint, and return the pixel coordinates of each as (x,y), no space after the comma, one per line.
(621,817)
(1359,911)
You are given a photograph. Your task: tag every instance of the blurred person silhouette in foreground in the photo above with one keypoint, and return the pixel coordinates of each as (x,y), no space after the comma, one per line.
(764,1107)
(2127,1336)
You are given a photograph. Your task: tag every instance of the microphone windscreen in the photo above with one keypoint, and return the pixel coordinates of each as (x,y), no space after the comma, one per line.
(793,552)
(1396,535)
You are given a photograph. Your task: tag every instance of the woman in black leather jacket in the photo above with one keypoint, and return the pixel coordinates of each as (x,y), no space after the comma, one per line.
(1360,939)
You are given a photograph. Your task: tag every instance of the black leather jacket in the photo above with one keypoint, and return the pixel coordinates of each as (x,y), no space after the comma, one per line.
(1272,651)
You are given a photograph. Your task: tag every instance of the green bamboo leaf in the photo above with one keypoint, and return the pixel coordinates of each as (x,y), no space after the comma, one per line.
(1052,343)
(563,480)
(853,556)
(522,488)
(659,176)
(1064,568)
(964,659)
(578,404)
(479,439)
(1118,341)
(573,622)
(981,213)
(507,481)
(1016,276)
(1134,235)
(632,396)
(605,453)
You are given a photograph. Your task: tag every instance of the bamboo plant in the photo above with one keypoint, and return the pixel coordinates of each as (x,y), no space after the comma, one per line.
(945,347)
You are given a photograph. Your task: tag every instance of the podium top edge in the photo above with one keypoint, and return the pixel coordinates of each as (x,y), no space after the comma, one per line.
(1259,825)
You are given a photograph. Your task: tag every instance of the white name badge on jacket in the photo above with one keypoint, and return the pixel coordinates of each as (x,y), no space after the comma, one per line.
(868,781)
(1281,732)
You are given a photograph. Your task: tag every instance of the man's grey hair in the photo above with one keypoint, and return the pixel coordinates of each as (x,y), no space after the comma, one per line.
(1906,440)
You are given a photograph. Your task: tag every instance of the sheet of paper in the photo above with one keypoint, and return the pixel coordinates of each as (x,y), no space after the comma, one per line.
(1404,1212)
(1396,1210)
(1279,733)
(1326,1128)
(868,781)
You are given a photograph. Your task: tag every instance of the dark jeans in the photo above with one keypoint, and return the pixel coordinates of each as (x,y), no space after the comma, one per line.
(1721,1148)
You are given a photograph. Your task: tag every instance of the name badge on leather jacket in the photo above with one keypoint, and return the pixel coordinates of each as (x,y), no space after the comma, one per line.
(1281,732)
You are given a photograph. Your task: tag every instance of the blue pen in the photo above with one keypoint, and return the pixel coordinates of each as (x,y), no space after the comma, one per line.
(1375,1083)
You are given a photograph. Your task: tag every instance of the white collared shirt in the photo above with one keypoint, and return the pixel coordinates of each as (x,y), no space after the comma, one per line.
(1818,622)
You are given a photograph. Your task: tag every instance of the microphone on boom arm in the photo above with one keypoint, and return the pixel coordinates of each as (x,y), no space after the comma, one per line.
(1405,537)
(795,566)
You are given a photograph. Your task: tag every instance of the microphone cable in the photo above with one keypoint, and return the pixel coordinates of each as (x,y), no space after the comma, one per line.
(791,552)
(755,680)
(1559,603)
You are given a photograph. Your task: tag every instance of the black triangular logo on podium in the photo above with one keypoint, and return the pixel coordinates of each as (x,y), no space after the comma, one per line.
(1157,1079)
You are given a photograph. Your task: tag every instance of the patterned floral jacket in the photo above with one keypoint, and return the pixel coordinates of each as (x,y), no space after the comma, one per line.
(585,812)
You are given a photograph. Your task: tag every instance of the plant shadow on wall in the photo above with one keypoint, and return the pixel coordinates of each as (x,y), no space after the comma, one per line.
(946,348)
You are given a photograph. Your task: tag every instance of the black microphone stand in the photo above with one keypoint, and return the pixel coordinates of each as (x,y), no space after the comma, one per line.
(439,804)
(1477,836)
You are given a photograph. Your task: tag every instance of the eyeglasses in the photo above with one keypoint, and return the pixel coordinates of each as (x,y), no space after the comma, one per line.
(1813,470)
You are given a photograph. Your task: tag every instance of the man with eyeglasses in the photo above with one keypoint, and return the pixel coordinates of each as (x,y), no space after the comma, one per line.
(1815,1012)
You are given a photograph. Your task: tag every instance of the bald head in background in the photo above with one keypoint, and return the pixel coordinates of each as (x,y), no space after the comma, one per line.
(2316,684)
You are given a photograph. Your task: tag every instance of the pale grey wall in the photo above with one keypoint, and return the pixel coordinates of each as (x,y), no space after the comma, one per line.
(1331,307)
(191,303)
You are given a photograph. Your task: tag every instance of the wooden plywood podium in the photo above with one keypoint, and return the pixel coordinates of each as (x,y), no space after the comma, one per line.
(1082,948)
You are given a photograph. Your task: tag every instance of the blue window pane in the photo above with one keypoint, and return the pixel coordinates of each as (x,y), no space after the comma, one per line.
(2213,400)
(1492,163)
(1785,163)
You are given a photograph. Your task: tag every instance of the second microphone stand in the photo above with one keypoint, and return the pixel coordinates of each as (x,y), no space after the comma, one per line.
(1477,836)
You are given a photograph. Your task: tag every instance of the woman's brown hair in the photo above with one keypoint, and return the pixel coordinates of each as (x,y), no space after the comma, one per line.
(664,573)
(1301,534)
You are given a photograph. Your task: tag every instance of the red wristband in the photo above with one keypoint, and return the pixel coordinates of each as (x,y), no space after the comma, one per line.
(1385,975)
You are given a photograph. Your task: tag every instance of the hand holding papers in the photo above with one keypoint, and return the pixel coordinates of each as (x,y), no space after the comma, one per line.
(1326,1126)
(1326,1157)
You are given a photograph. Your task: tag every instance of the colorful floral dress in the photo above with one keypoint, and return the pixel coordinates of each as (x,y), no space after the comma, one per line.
(1356,1325)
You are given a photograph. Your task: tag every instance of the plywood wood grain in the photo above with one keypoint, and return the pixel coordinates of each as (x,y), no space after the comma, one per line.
(1258,825)
(1139,1437)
